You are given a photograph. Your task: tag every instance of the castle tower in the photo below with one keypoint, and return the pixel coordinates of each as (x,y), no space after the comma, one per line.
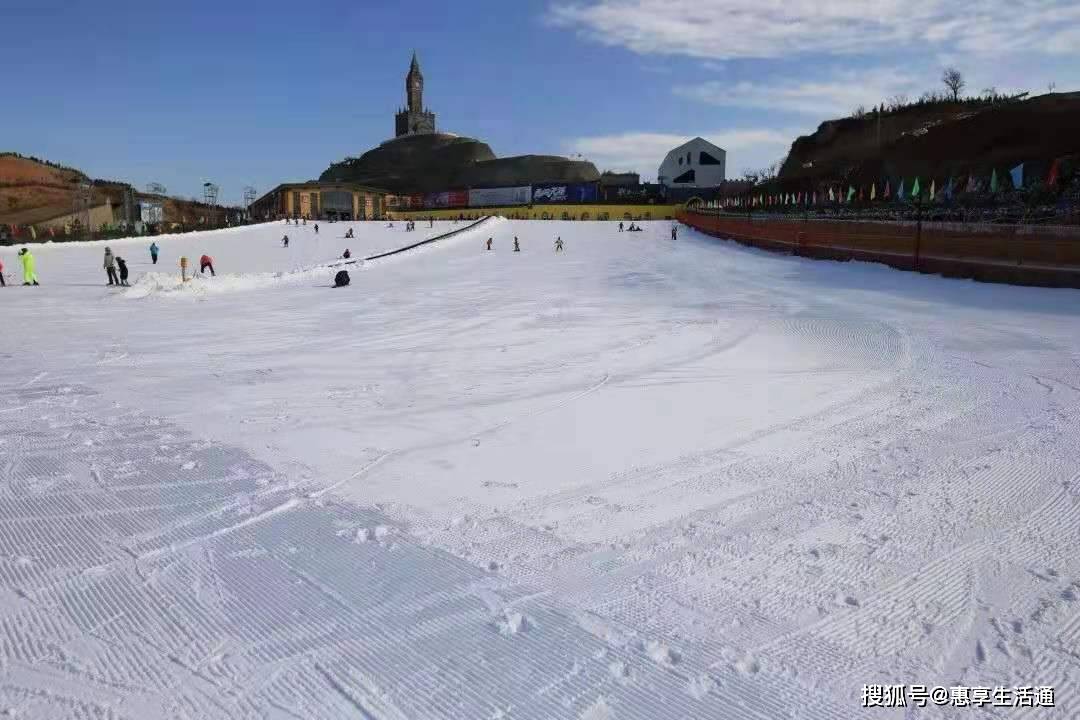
(414,120)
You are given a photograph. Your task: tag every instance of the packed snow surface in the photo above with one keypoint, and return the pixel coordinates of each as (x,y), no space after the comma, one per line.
(638,479)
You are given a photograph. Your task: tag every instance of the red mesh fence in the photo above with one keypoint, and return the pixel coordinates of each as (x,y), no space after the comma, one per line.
(1025,255)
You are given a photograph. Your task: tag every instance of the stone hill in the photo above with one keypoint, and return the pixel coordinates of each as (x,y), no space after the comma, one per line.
(440,161)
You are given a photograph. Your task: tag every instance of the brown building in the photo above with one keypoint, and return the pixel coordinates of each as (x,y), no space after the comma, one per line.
(320,200)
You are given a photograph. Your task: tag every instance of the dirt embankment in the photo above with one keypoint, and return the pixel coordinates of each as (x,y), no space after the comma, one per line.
(938,140)
(33,189)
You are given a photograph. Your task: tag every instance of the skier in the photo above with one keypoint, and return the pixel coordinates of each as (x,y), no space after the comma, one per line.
(305,221)
(341,279)
(153,252)
(123,270)
(674,232)
(2,283)
(558,244)
(517,248)
(316,228)
(489,244)
(296,221)
(206,262)
(285,241)
(620,227)
(110,267)
(346,254)
(29,276)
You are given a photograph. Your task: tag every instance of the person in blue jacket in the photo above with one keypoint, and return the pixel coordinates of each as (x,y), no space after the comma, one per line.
(153,252)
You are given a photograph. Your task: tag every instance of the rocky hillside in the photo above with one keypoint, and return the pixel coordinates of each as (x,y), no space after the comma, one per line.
(938,140)
(32,189)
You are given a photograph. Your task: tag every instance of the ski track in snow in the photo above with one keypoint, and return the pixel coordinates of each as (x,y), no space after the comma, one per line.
(639,479)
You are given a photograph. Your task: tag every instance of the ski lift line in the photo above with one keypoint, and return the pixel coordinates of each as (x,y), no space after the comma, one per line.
(430,240)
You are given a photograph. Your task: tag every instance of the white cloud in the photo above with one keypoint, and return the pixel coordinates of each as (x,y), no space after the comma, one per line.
(642,151)
(837,94)
(724,29)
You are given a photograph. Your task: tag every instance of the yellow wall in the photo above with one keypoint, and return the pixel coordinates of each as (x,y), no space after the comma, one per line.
(361,202)
(99,215)
(554,211)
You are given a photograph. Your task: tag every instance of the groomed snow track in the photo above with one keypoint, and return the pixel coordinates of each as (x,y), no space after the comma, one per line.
(638,479)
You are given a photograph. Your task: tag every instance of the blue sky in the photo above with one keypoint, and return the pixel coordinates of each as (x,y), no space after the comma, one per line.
(257,93)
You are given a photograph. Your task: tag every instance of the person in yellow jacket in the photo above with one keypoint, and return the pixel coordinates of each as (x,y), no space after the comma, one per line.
(27,260)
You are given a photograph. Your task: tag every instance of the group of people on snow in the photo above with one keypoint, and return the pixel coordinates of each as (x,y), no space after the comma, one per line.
(26,258)
(517,245)
(112,262)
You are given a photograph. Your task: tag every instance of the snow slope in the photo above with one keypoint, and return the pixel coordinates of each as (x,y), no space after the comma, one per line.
(638,479)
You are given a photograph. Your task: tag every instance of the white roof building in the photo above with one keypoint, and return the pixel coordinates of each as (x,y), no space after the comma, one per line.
(697,163)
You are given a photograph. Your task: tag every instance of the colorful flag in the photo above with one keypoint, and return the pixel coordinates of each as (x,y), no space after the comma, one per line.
(33,233)
(994,181)
(1052,179)
(860,193)
(831,197)
(813,198)
(933,190)
(915,189)
(948,191)
(1017,174)
(873,191)
(888,190)
(900,190)
(972,185)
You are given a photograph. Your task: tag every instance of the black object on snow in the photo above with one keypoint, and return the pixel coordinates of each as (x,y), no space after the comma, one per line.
(341,279)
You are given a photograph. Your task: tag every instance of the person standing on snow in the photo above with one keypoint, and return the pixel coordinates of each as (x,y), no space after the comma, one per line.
(517,248)
(28,264)
(285,241)
(2,283)
(489,243)
(153,253)
(558,244)
(123,270)
(316,228)
(206,262)
(620,227)
(346,254)
(110,267)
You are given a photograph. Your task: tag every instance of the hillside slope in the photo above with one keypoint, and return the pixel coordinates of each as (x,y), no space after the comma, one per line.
(940,140)
(32,190)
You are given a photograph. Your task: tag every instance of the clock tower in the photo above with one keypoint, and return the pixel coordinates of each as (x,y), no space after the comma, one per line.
(414,119)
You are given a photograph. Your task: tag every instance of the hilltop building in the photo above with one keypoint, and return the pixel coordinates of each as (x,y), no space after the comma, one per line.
(421,160)
(414,119)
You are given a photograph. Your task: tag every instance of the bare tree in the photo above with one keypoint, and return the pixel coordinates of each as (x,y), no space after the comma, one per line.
(897,102)
(954,81)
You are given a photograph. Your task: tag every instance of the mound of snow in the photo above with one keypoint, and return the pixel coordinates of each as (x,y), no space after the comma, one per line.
(170,284)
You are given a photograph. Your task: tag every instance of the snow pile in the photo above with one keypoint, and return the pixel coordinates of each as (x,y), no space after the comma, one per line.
(171,285)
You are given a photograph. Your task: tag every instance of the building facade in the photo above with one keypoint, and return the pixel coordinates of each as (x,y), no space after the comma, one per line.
(694,164)
(414,119)
(320,201)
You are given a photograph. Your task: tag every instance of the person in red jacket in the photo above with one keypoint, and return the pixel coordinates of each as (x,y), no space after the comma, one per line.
(206,262)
